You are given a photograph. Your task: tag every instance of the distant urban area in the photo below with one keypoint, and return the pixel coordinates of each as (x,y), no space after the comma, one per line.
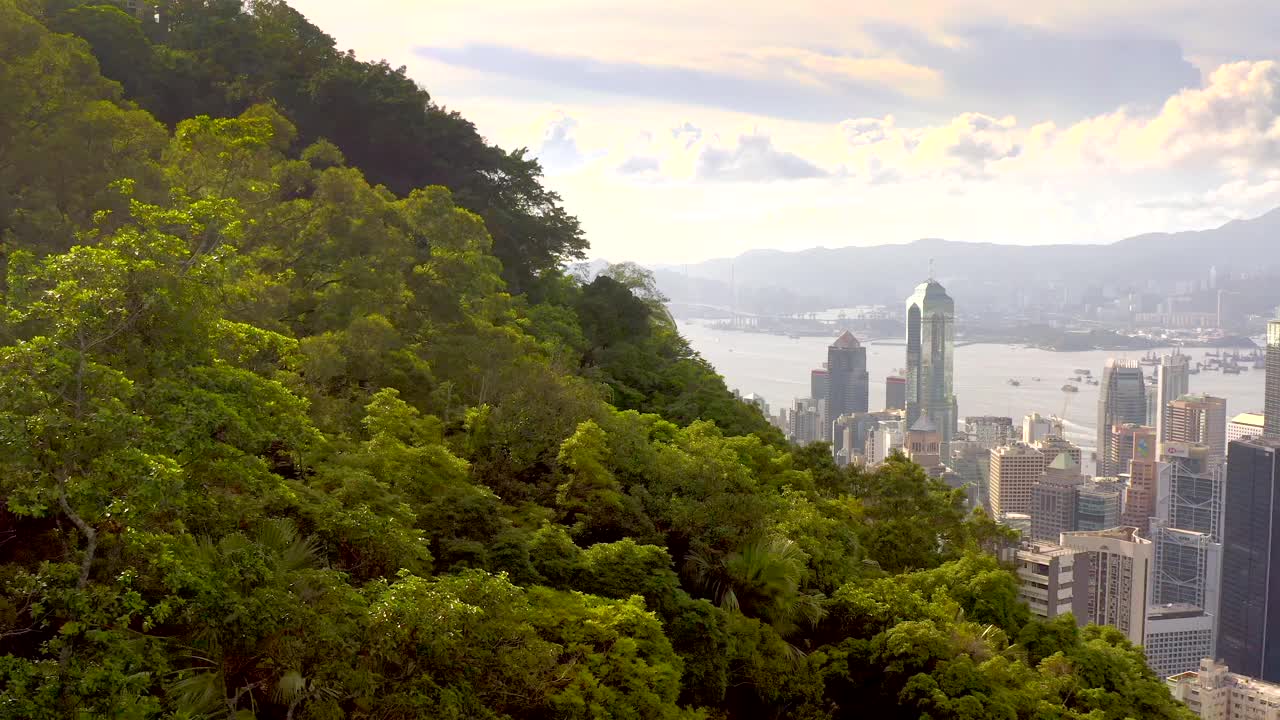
(1168,539)
(1141,293)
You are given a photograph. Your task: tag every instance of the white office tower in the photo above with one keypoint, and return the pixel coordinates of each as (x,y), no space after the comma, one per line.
(1036,427)
(1118,570)
(883,440)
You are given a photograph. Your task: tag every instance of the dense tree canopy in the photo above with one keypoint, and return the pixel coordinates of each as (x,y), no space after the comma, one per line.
(278,440)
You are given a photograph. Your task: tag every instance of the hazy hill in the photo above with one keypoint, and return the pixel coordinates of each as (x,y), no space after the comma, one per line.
(982,273)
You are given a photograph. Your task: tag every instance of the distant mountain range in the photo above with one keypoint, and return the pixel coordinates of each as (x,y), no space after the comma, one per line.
(977,274)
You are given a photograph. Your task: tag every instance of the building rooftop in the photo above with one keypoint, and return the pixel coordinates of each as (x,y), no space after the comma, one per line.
(1034,550)
(846,340)
(1173,611)
(1127,534)
(1249,418)
(1017,448)
(1064,462)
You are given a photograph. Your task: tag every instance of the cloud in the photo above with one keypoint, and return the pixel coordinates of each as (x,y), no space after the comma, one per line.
(639,165)
(688,134)
(1041,72)
(775,82)
(1236,198)
(754,159)
(965,147)
(1230,125)
(559,150)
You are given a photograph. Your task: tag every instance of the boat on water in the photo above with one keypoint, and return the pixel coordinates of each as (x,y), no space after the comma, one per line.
(1086,373)
(1091,381)
(1014,383)
(1070,388)
(1230,370)
(1150,359)
(1212,353)
(1036,379)
(1074,380)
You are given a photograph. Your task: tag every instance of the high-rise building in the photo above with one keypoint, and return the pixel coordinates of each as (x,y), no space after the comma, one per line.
(1178,637)
(1245,425)
(1153,402)
(847,376)
(1122,400)
(1048,577)
(1051,446)
(820,383)
(1271,397)
(884,439)
(1015,469)
(1036,427)
(931,343)
(1249,615)
(1215,693)
(1053,500)
(1143,466)
(1122,446)
(758,401)
(1198,419)
(989,432)
(1118,570)
(895,393)
(1173,380)
(849,433)
(805,421)
(1191,489)
(1187,529)
(1099,505)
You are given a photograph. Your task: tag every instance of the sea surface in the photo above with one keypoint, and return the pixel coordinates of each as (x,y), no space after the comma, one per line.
(777,368)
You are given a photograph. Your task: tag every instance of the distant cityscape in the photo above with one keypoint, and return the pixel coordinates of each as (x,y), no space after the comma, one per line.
(1170,540)
(1218,309)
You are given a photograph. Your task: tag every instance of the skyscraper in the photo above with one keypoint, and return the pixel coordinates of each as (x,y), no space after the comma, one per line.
(1173,380)
(1198,419)
(1053,499)
(895,393)
(1119,568)
(931,342)
(1123,399)
(1271,399)
(819,383)
(847,373)
(1035,427)
(1249,622)
(1015,469)
(1098,505)
(1140,495)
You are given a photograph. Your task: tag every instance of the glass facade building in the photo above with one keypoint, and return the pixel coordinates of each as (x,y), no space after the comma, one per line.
(931,340)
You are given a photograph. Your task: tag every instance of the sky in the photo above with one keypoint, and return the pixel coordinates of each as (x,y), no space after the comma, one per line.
(683,130)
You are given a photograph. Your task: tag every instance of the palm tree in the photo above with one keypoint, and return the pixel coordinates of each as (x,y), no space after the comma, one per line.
(760,579)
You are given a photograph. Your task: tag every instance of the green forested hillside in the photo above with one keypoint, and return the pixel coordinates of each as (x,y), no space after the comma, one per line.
(299,419)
